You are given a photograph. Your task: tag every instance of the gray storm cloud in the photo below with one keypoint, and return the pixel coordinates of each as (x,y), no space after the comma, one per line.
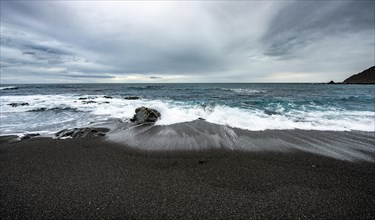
(256,41)
(303,22)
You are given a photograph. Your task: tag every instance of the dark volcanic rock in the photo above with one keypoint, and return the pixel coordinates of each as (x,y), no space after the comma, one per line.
(144,115)
(365,77)
(38,110)
(88,102)
(28,136)
(89,97)
(107,97)
(270,112)
(18,104)
(81,132)
(331,82)
(55,109)
(132,98)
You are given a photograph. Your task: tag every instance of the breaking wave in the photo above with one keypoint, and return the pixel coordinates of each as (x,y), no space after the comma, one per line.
(68,110)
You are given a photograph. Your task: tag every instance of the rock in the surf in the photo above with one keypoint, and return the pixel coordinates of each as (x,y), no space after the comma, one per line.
(88,102)
(30,135)
(144,115)
(132,98)
(81,133)
(18,104)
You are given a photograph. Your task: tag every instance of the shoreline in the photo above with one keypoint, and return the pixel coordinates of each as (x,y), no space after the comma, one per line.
(200,136)
(93,178)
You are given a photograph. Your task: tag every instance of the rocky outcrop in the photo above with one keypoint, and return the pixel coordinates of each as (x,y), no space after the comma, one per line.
(85,98)
(81,133)
(365,77)
(145,115)
(18,104)
(132,98)
(29,135)
(88,102)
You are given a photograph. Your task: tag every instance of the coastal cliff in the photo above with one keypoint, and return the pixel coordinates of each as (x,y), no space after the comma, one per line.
(365,77)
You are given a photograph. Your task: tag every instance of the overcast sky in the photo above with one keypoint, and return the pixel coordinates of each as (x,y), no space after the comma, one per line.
(192,41)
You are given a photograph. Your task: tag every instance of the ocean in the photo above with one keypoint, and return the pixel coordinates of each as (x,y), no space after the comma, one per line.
(254,107)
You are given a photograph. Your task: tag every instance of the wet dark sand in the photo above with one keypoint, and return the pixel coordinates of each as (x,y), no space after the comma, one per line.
(90,178)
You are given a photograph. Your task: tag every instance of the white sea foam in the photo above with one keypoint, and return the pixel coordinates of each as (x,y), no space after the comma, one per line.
(20,119)
(243,91)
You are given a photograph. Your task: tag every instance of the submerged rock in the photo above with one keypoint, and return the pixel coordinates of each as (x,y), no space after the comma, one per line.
(88,102)
(107,97)
(132,98)
(144,115)
(270,112)
(55,109)
(28,136)
(18,104)
(81,132)
(85,98)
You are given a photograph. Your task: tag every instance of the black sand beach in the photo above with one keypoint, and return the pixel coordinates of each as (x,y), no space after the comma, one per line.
(44,178)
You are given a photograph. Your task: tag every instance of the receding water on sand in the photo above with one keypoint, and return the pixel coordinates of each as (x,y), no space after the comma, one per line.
(202,135)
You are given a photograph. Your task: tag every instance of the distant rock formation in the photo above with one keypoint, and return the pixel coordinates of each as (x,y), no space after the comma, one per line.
(365,77)
(331,82)
(144,115)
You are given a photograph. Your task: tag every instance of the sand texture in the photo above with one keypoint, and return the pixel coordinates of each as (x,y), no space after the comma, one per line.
(43,178)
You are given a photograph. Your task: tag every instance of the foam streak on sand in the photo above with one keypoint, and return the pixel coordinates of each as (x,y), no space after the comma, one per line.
(201,135)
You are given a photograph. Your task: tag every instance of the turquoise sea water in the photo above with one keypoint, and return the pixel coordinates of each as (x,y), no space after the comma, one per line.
(246,106)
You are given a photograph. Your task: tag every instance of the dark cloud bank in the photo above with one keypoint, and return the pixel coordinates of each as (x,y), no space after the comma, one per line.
(256,41)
